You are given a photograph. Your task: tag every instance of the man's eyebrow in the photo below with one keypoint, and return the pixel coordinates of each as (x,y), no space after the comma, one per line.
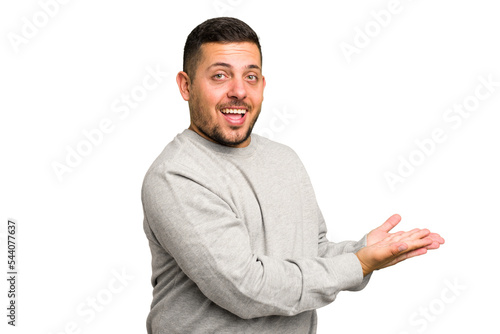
(253,66)
(230,66)
(220,64)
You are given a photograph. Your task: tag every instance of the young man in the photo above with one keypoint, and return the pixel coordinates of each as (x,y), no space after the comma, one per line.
(238,242)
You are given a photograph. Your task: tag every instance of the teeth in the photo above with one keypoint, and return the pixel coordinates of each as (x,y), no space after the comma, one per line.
(234,111)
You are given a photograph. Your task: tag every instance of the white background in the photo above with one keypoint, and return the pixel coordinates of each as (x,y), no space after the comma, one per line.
(349,121)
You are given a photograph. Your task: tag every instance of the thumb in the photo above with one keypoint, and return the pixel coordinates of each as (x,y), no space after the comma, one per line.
(390,223)
(398,248)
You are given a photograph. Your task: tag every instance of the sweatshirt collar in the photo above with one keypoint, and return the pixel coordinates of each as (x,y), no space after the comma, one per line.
(222,149)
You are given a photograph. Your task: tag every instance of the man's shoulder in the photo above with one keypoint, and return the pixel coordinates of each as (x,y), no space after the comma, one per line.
(178,151)
(275,149)
(191,156)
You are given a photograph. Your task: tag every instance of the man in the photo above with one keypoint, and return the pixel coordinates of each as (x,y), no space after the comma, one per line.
(238,242)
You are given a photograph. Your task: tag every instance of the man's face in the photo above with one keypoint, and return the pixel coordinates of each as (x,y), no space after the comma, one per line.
(226,94)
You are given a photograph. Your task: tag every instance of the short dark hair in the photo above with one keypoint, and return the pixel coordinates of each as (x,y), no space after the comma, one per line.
(216,30)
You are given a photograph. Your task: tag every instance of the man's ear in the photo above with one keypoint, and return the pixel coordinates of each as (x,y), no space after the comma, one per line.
(264,83)
(184,83)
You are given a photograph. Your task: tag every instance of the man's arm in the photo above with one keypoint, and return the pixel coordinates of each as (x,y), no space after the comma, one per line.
(330,249)
(212,247)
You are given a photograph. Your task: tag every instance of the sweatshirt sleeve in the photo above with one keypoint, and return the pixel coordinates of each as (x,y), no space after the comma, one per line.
(211,245)
(331,249)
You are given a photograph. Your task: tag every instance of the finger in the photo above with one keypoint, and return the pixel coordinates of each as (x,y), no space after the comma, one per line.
(418,243)
(434,245)
(403,234)
(398,248)
(409,245)
(390,223)
(413,253)
(420,234)
(436,237)
(416,252)
(405,256)
(395,236)
(416,233)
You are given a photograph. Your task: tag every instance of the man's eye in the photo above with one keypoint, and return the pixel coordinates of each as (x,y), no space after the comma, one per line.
(219,76)
(252,77)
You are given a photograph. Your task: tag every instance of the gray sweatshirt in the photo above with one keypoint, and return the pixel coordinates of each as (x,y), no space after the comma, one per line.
(238,242)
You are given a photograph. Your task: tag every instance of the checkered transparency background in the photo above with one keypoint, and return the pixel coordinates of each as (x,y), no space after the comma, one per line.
(393,106)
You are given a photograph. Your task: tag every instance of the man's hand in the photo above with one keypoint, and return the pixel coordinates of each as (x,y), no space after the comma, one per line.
(385,249)
(382,232)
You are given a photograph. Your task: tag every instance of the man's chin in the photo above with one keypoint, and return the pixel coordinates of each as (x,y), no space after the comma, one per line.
(234,138)
(233,142)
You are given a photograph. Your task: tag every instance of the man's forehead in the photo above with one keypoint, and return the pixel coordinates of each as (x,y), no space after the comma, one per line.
(224,53)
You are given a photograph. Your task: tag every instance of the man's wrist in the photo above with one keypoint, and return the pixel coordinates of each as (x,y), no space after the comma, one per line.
(366,270)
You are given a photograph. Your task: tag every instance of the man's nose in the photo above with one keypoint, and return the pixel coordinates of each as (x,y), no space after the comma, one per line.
(237,89)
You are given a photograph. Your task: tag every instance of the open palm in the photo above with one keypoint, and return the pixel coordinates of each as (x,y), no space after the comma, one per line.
(382,232)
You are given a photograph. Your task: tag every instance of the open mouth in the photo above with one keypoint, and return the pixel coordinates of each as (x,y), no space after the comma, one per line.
(234,116)
(240,111)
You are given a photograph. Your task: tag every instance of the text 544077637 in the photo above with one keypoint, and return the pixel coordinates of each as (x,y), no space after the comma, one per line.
(11,272)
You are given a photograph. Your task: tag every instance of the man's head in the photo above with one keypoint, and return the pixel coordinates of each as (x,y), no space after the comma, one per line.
(222,80)
(217,30)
